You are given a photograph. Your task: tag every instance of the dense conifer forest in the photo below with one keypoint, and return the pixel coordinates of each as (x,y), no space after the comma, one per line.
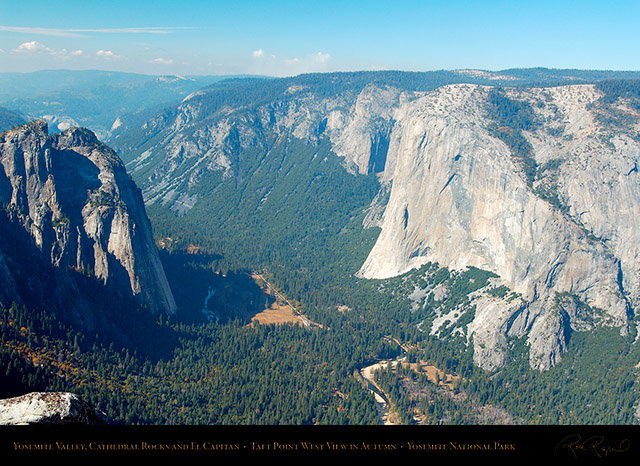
(240,373)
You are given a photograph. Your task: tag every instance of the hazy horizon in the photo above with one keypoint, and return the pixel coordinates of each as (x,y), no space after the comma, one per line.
(44,70)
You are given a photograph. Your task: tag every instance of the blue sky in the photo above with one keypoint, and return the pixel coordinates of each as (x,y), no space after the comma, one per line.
(284,38)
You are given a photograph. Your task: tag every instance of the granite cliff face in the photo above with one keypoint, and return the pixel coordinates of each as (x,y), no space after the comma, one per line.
(555,222)
(459,198)
(81,214)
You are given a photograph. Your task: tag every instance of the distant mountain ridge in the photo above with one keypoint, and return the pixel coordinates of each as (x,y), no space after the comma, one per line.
(94,99)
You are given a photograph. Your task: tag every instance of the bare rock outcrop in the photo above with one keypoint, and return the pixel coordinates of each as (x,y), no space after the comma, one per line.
(72,196)
(49,408)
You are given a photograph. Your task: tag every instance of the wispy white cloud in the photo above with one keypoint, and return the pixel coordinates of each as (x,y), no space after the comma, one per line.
(33,47)
(308,62)
(162,61)
(40,31)
(58,32)
(107,54)
(322,57)
(268,63)
(36,48)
